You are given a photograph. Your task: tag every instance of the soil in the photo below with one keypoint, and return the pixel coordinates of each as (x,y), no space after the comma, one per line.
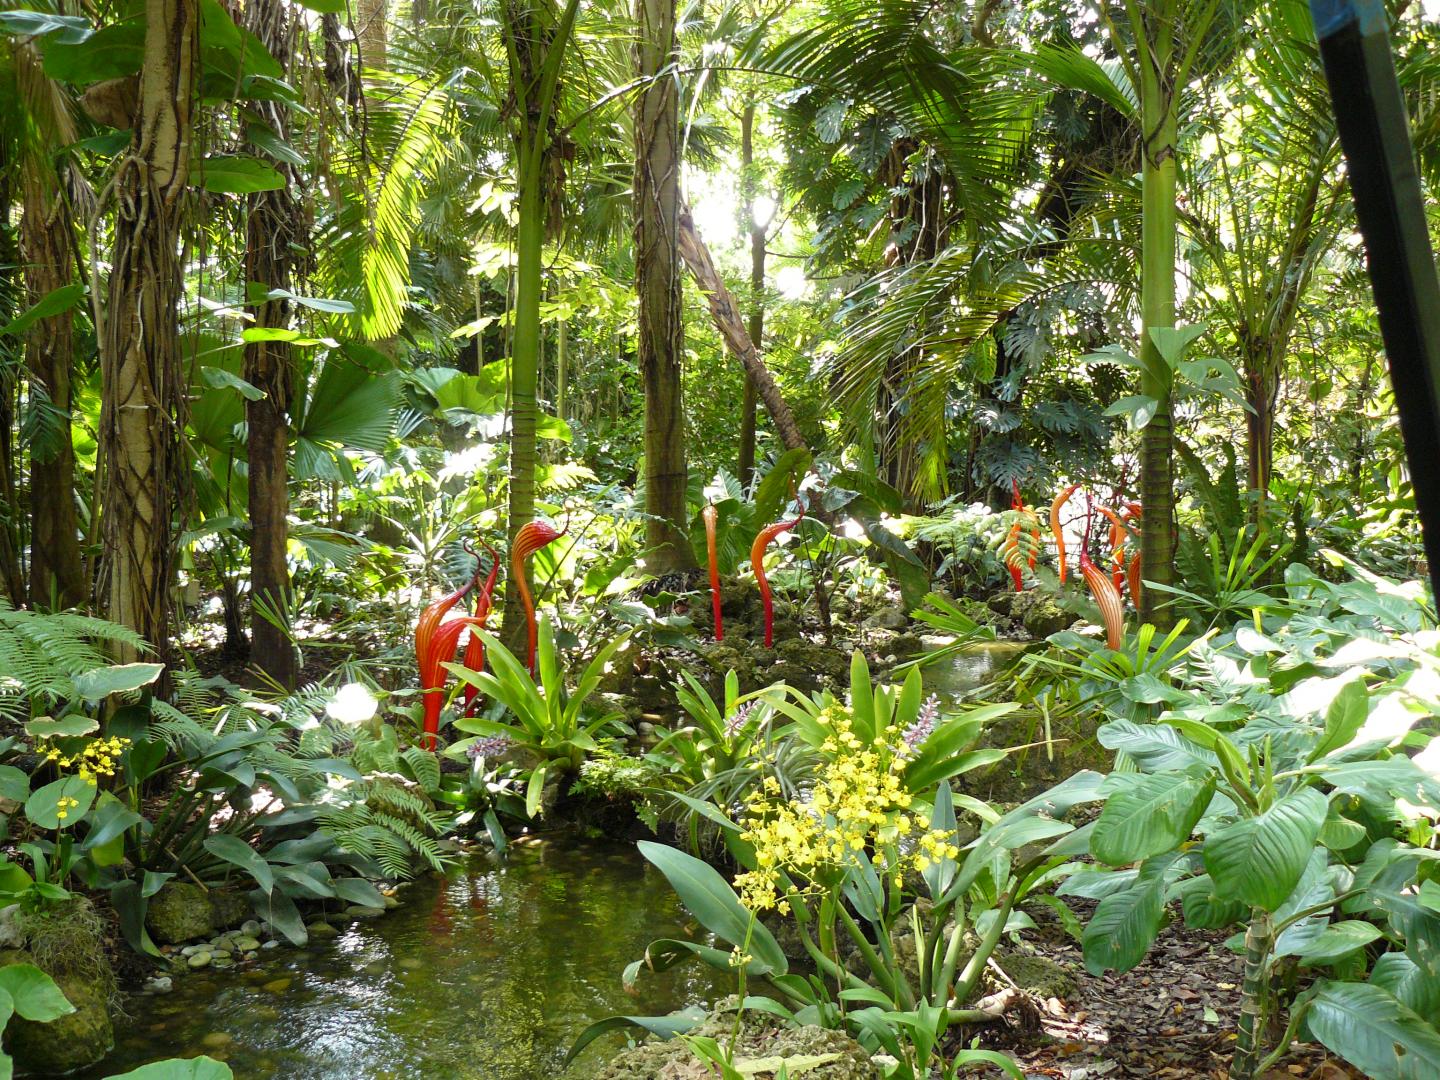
(1172,1017)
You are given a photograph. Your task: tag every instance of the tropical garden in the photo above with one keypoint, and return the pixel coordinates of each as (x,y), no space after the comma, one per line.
(836,539)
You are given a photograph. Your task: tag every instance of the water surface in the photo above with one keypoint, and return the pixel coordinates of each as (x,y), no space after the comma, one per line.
(487,976)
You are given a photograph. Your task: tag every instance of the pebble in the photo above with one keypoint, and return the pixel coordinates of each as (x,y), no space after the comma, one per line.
(411,963)
(276,986)
(250,928)
(199,960)
(191,950)
(271,944)
(161,984)
(223,962)
(246,944)
(318,929)
(391,901)
(216,1039)
(363,911)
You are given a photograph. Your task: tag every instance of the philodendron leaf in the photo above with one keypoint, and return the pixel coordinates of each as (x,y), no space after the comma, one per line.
(1369,1028)
(1149,814)
(1259,860)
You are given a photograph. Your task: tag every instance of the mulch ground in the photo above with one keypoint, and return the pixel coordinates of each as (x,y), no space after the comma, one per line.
(1170,1018)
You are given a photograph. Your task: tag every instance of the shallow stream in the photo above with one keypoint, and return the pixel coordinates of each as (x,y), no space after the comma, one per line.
(489,975)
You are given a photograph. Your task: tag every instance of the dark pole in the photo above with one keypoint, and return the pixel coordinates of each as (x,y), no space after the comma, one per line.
(1374,131)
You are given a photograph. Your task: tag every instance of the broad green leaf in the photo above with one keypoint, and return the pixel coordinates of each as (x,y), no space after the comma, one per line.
(43,807)
(665,1027)
(1204,910)
(1155,748)
(45,727)
(235,174)
(1150,814)
(1369,1028)
(52,303)
(709,897)
(1138,410)
(1343,719)
(100,683)
(1339,940)
(67,29)
(1259,860)
(196,1068)
(14,783)
(1172,341)
(1120,932)
(35,994)
(112,52)
(1411,985)
(237,852)
(358,891)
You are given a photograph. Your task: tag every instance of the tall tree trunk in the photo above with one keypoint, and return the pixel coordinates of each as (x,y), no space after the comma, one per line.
(536,54)
(271,222)
(660,332)
(12,578)
(372,35)
(57,573)
(1260,393)
(756,326)
(143,411)
(1157,309)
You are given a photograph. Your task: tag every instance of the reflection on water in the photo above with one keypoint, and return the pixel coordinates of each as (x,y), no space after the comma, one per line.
(488,976)
(954,675)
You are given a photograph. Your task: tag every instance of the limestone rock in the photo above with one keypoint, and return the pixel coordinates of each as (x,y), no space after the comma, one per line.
(888,618)
(1039,976)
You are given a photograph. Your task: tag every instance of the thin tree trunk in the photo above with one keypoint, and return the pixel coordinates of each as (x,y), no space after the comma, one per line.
(726,315)
(756,328)
(12,578)
(271,233)
(57,573)
(660,331)
(1157,309)
(372,36)
(1260,393)
(143,411)
(535,65)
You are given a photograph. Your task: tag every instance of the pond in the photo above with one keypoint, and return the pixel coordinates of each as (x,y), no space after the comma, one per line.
(488,975)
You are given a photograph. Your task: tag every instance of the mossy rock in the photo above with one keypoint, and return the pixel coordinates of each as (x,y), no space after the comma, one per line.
(1040,614)
(70,1042)
(228,909)
(180,912)
(1039,976)
(808,1053)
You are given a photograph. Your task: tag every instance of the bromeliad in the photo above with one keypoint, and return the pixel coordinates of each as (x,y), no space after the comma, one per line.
(533,536)
(757,563)
(710,516)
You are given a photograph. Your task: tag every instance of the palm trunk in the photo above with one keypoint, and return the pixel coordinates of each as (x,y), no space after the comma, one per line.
(143,410)
(535,63)
(1157,309)
(57,573)
(756,328)
(1260,394)
(270,235)
(660,332)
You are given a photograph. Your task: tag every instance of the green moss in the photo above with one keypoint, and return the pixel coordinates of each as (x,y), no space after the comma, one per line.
(822,1054)
(1038,976)
(179,912)
(73,1041)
